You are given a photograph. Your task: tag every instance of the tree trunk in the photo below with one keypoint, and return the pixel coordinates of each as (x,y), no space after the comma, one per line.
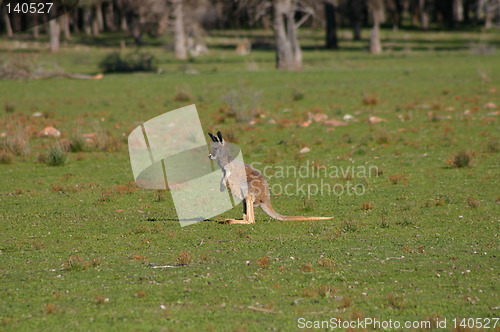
(8,27)
(110,17)
(424,15)
(123,23)
(95,21)
(87,21)
(356,9)
(331,25)
(36,28)
(76,20)
(65,22)
(134,24)
(98,16)
(294,38)
(122,13)
(490,7)
(376,8)
(396,9)
(458,10)
(288,53)
(54,33)
(179,34)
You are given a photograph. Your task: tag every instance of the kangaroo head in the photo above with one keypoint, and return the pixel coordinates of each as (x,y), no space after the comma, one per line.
(217,149)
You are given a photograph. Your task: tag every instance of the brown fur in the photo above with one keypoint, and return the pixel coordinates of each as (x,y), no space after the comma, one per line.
(249,185)
(259,195)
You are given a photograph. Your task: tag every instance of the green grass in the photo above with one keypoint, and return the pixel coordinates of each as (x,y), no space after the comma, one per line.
(79,243)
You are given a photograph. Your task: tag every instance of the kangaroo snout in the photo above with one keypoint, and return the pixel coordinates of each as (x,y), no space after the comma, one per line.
(211,156)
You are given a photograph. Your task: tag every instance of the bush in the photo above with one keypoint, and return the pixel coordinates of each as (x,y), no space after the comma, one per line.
(182,96)
(297,95)
(462,159)
(136,61)
(5,157)
(242,104)
(184,258)
(56,156)
(16,142)
(77,144)
(9,107)
(493,146)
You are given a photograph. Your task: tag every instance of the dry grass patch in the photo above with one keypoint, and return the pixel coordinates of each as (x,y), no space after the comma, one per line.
(184,258)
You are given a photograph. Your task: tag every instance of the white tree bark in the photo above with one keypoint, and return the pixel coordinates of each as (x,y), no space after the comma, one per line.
(179,33)
(288,52)
(376,8)
(424,15)
(458,10)
(491,8)
(87,21)
(99,16)
(54,35)
(95,20)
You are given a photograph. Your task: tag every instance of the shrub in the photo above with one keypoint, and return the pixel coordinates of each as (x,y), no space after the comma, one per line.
(77,263)
(493,146)
(50,308)
(5,157)
(136,61)
(370,100)
(104,141)
(263,262)
(349,225)
(242,104)
(472,202)
(9,107)
(366,206)
(184,258)
(306,267)
(297,95)
(182,96)
(16,142)
(56,156)
(462,159)
(398,178)
(77,143)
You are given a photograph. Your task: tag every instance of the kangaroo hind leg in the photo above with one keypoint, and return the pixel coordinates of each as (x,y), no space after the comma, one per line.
(248,213)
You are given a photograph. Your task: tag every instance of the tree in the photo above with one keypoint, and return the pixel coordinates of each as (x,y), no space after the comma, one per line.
(109,17)
(288,52)
(458,10)
(356,9)
(6,20)
(179,33)
(423,8)
(54,35)
(331,24)
(395,7)
(65,19)
(376,8)
(491,9)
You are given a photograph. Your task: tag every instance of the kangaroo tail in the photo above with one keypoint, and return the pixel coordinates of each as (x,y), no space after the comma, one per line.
(269,210)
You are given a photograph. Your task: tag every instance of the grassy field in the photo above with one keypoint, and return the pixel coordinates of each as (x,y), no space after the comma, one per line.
(82,248)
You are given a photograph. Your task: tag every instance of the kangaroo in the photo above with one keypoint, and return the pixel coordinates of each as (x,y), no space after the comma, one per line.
(251,186)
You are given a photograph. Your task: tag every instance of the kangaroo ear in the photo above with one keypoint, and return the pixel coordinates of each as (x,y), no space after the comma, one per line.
(219,134)
(214,139)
